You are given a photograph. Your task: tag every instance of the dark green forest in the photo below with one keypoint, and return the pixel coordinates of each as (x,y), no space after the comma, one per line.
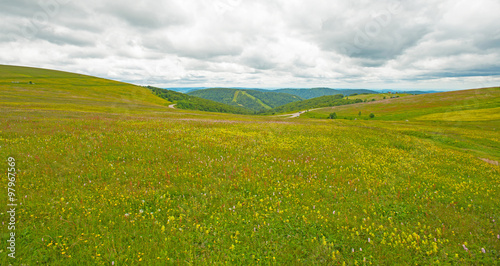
(323,101)
(189,102)
(255,100)
(318,92)
(246,101)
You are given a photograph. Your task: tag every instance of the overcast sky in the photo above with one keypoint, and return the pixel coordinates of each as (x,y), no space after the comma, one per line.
(427,44)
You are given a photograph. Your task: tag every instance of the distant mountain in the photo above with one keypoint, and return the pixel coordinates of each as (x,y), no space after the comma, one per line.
(420,92)
(185,101)
(255,100)
(186,89)
(308,93)
(318,92)
(408,92)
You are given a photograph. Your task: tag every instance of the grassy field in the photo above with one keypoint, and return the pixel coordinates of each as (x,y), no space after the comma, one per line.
(377,97)
(107,174)
(55,90)
(447,106)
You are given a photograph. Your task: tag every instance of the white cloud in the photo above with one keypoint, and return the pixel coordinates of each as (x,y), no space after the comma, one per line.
(294,43)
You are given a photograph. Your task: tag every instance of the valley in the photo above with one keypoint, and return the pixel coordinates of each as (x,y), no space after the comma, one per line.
(109,173)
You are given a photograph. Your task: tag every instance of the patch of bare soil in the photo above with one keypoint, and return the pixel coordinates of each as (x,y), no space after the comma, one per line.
(490,161)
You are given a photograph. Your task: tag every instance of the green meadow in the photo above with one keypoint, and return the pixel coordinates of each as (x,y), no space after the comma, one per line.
(467,105)
(377,97)
(108,174)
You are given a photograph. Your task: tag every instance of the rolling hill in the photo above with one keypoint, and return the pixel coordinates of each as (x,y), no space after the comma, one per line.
(318,92)
(465,105)
(251,99)
(323,101)
(43,89)
(184,101)
(377,97)
(442,118)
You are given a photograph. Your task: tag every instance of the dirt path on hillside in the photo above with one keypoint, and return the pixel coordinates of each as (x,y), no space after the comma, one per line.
(490,161)
(295,115)
(172,106)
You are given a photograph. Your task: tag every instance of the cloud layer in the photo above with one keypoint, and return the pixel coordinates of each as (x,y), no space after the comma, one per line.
(348,44)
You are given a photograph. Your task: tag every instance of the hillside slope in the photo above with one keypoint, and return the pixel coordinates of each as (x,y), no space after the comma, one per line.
(318,92)
(378,96)
(323,101)
(42,89)
(465,105)
(189,102)
(251,99)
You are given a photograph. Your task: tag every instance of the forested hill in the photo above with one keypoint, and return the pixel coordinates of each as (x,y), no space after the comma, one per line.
(251,99)
(323,101)
(184,101)
(318,92)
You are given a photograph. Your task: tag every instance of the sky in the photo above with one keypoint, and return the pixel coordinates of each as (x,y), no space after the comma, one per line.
(385,44)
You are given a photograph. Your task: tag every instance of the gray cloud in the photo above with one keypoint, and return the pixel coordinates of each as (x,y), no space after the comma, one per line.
(279,43)
(146,14)
(64,38)
(380,35)
(22,8)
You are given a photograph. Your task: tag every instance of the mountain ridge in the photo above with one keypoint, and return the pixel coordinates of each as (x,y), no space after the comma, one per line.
(254,100)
